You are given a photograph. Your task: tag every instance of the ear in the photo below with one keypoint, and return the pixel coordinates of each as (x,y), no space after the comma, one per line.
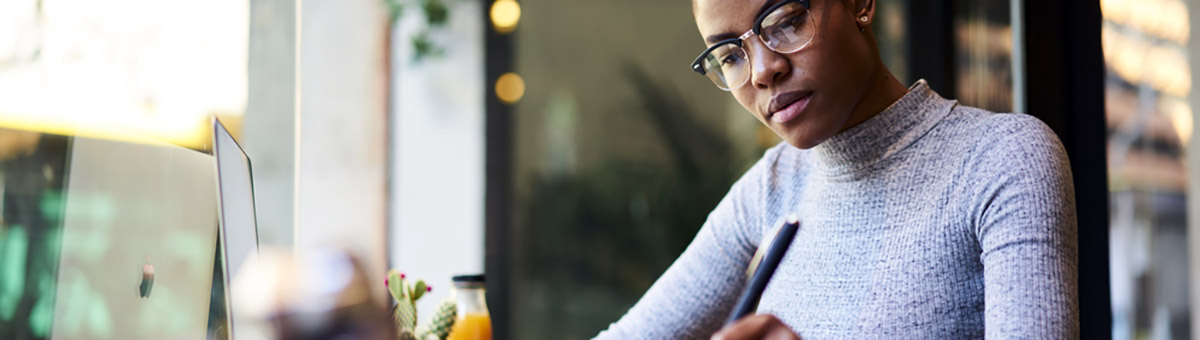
(864,13)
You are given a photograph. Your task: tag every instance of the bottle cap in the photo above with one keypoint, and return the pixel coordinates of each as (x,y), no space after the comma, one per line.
(468,278)
(468,281)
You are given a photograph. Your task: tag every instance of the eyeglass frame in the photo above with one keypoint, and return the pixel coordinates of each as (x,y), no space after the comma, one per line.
(698,64)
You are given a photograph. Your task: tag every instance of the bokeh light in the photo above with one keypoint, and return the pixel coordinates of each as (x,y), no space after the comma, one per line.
(505,15)
(510,88)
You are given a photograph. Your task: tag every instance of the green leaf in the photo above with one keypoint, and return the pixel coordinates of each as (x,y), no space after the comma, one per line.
(436,12)
(395,9)
(424,47)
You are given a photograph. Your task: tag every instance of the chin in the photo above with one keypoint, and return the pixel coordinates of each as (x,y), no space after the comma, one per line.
(802,143)
(799,137)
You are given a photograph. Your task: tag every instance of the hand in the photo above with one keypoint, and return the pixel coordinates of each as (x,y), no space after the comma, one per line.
(758,326)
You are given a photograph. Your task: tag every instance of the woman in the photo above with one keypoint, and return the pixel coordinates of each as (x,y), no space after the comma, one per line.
(920,218)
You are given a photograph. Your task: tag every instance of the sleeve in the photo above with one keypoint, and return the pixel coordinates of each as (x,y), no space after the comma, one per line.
(696,293)
(1026,226)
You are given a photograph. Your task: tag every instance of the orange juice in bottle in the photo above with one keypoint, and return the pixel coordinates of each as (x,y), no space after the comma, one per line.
(473,322)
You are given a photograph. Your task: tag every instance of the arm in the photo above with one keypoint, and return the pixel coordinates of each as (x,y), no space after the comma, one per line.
(1026,227)
(694,296)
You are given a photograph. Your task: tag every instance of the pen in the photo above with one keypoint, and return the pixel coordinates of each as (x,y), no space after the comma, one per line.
(748,302)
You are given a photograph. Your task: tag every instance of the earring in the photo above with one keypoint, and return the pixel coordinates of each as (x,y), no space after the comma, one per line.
(863,18)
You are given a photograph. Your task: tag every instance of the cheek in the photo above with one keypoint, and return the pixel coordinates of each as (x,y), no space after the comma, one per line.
(745,96)
(838,55)
(838,67)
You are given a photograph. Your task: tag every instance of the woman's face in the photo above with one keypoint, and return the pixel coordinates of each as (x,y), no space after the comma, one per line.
(805,96)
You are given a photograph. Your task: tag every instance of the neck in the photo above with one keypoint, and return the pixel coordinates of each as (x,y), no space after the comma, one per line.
(883,90)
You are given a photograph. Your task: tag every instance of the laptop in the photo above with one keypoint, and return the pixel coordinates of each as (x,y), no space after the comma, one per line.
(138,242)
(238,230)
(149,249)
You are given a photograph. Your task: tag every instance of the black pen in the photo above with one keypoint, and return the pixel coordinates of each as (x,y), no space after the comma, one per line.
(748,303)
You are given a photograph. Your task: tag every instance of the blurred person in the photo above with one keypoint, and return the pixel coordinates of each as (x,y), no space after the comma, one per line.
(920,218)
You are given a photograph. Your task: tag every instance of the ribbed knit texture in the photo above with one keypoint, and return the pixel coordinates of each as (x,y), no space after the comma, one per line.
(930,220)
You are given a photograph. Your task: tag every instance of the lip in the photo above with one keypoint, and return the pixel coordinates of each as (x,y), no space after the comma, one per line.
(786,106)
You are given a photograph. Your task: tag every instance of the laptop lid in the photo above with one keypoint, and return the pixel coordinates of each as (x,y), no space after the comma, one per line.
(238,228)
(138,241)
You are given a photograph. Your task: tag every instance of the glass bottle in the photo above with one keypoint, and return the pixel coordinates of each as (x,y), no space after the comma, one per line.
(473,321)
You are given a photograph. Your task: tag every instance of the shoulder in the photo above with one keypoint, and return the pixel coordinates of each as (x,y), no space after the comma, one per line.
(1010,151)
(1016,139)
(996,140)
(1017,167)
(1016,127)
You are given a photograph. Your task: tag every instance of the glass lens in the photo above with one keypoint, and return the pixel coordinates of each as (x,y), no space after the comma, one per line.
(788,28)
(727,66)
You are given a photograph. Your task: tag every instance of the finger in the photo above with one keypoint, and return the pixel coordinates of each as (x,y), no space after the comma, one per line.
(749,327)
(780,332)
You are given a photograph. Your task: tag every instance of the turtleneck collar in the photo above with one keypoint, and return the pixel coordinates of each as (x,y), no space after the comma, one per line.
(888,132)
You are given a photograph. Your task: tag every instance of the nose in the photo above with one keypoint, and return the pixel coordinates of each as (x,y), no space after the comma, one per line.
(767,66)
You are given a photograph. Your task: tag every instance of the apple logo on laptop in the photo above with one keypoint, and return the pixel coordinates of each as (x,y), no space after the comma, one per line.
(147,279)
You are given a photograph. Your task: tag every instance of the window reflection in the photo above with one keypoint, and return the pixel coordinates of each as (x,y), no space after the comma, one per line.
(32,173)
(1149,122)
(984,45)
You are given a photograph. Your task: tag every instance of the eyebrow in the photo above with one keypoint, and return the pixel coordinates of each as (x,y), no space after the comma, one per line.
(715,38)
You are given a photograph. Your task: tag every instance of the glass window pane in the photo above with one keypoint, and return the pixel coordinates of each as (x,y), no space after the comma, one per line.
(983,51)
(1149,123)
(620,154)
(620,150)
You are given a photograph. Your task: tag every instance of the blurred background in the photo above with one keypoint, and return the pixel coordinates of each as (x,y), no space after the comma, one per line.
(563,148)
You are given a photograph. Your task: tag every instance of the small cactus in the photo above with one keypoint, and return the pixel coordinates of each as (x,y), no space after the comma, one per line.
(442,321)
(406,306)
(405,312)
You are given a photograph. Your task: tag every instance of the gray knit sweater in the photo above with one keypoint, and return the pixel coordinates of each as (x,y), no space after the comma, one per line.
(931,220)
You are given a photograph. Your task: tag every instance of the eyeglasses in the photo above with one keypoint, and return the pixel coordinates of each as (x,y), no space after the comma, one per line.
(785,27)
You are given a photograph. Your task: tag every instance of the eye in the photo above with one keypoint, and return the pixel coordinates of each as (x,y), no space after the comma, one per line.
(730,59)
(798,20)
(789,16)
(726,56)
(787,28)
(792,20)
